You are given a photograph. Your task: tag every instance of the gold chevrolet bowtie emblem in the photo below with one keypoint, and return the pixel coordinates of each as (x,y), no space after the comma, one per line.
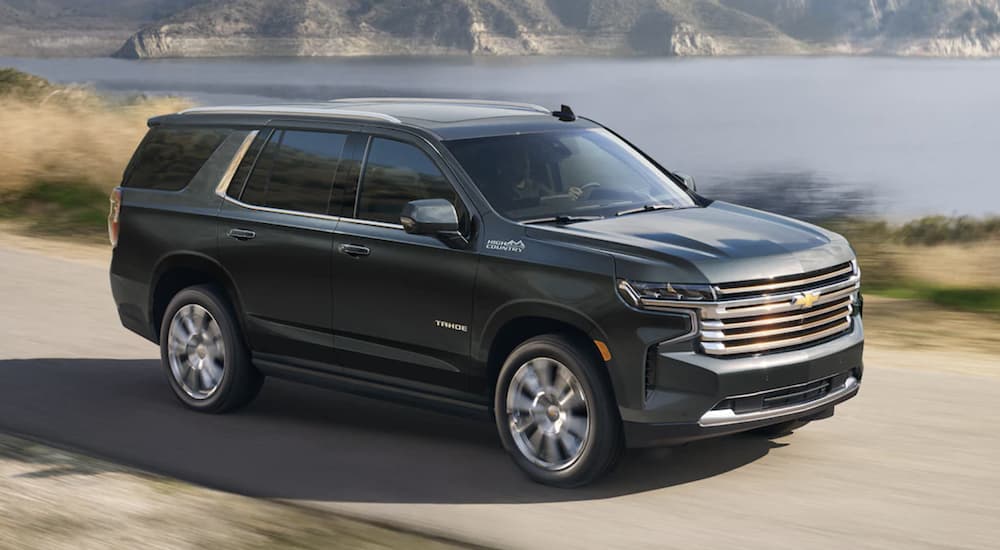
(806,299)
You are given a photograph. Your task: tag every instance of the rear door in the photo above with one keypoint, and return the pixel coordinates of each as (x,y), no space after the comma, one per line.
(404,301)
(275,236)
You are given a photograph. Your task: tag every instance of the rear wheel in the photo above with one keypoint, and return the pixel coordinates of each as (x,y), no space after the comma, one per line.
(555,413)
(207,365)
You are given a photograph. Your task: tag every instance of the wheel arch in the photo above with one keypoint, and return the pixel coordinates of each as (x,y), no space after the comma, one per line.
(516,323)
(181,270)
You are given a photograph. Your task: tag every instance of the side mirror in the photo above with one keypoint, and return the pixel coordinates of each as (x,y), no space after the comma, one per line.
(688,182)
(436,217)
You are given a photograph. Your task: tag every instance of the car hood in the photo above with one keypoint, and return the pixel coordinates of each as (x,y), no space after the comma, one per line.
(718,243)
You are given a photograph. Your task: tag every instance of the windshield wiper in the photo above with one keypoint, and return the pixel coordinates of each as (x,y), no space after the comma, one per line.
(646,208)
(562,220)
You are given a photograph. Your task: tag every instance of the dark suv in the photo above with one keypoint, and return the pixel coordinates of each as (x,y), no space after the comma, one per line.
(487,258)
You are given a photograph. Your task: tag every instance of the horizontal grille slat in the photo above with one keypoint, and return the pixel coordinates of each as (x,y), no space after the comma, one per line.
(717,348)
(727,334)
(757,321)
(835,274)
(809,308)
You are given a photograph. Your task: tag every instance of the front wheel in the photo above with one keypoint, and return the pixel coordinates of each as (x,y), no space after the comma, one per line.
(556,413)
(207,364)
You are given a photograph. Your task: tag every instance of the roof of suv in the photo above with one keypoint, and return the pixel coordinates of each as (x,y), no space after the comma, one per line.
(445,118)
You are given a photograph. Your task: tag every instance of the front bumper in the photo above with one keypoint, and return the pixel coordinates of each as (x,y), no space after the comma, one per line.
(694,396)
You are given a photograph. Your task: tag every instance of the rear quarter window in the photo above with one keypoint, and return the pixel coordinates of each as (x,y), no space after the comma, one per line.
(169,158)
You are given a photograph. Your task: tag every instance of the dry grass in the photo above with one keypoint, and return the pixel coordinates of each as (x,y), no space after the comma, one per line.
(75,138)
(959,265)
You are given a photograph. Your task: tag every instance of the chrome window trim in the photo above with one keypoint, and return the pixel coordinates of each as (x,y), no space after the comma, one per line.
(361,175)
(311,215)
(728,417)
(279,210)
(373,223)
(226,180)
(234,165)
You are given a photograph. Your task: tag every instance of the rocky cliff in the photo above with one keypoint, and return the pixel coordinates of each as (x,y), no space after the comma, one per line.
(199,28)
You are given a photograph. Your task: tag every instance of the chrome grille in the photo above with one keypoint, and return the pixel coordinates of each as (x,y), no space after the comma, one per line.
(777,314)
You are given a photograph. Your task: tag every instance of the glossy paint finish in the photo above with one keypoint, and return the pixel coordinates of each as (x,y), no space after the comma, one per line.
(282,276)
(369,308)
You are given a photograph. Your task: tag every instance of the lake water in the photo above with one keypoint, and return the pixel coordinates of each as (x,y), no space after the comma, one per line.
(898,137)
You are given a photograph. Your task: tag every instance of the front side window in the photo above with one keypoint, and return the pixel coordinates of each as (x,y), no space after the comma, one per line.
(295,171)
(568,173)
(395,174)
(169,158)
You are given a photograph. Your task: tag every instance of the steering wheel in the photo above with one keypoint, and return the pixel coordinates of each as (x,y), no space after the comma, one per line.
(584,191)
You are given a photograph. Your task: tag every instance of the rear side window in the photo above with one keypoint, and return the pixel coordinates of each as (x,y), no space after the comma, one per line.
(295,171)
(395,174)
(169,158)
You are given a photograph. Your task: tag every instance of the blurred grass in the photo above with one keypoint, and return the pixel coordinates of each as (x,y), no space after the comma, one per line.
(967,299)
(59,207)
(65,147)
(950,261)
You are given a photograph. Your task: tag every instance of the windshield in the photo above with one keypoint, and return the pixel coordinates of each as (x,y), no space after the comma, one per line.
(566,174)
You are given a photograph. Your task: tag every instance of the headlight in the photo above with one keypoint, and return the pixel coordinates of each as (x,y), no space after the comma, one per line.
(640,293)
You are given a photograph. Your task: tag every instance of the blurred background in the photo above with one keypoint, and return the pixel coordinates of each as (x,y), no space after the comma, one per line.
(895,153)
(876,118)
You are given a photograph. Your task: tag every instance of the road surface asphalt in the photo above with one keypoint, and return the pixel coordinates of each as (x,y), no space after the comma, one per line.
(913,462)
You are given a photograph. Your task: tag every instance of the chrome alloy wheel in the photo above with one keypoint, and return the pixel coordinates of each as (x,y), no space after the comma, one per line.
(196,351)
(548,414)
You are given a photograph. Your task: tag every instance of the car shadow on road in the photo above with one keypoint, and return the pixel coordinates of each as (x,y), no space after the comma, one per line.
(301,442)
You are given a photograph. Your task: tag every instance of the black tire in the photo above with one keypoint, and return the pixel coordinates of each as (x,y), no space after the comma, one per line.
(240,381)
(603,443)
(780,429)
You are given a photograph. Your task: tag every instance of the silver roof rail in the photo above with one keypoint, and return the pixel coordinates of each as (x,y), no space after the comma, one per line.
(482,102)
(279,110)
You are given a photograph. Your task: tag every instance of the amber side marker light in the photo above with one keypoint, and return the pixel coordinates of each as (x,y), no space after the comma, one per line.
(603,348)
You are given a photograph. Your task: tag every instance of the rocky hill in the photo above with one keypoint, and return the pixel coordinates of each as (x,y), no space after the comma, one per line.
(77,27)
(580,27)
(200,28)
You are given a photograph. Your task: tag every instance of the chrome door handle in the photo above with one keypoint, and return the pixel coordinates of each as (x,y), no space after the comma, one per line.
(242,234)
(355,250)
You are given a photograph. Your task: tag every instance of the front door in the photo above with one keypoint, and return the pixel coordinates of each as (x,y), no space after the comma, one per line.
(404,301)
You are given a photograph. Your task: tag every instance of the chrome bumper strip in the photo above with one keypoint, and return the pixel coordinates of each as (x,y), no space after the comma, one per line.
(728,417)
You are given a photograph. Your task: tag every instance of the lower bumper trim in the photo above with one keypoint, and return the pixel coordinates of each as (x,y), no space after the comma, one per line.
(727,417)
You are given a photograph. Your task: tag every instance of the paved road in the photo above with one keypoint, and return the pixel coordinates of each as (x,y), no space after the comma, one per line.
(914,462)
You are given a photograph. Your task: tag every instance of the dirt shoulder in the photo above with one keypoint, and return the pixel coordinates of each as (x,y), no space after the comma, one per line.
(13,235)
(55,499)
(915,325)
